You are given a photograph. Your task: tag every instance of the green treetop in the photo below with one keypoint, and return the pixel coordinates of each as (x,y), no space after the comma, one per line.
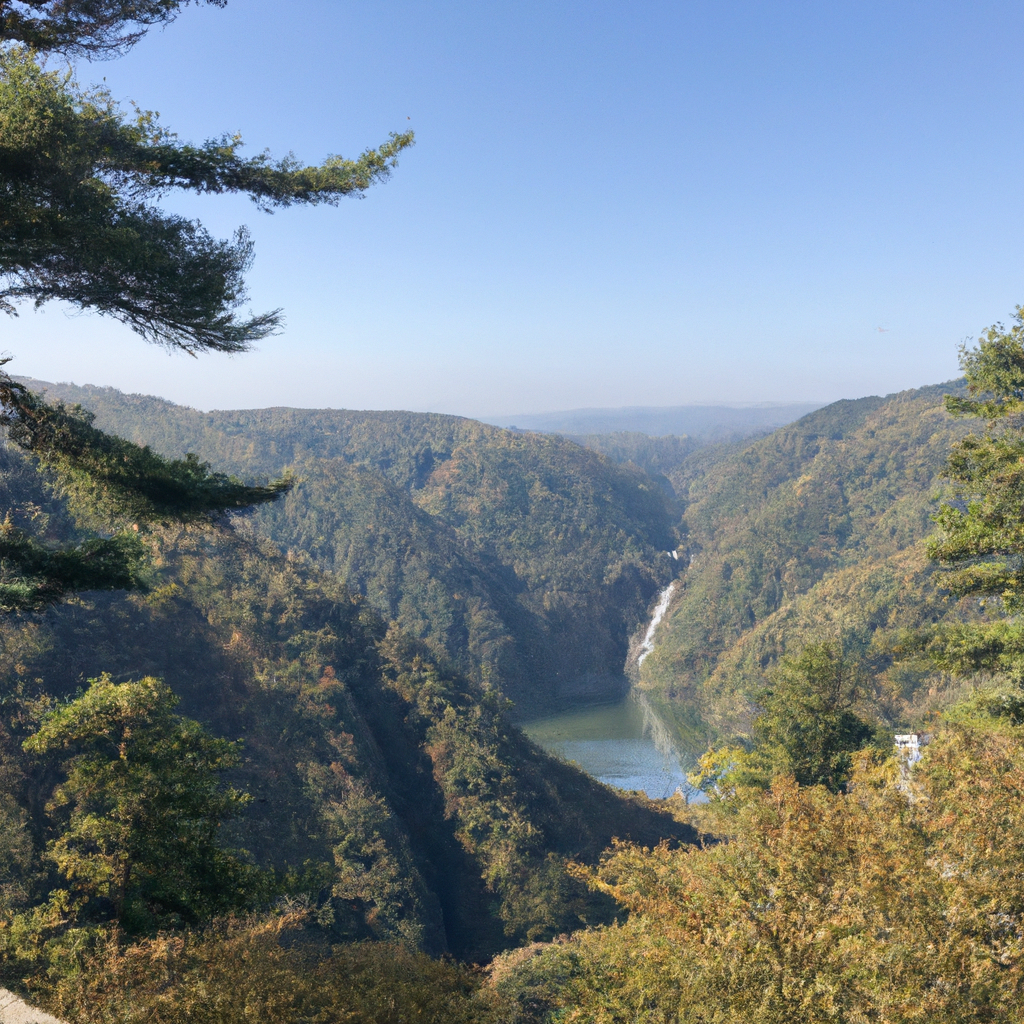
(141,806)
(808,729)
(981,536)
(980,540)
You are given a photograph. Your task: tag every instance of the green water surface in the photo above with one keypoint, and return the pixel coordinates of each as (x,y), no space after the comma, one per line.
(622,743)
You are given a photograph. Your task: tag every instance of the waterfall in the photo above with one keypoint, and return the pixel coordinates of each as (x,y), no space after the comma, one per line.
(659,613)
(627,743)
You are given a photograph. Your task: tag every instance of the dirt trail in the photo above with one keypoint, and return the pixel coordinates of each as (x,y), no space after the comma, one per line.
(16,1011)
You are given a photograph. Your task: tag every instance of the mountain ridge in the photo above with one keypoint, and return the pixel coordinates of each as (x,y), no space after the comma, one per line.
(525,559)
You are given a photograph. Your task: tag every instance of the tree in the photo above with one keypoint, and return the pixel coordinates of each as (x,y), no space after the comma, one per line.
(807,729)
(819,907)
(142,806)
(982,529)
(980,541)
(79,179)
(95,28)
(109,481)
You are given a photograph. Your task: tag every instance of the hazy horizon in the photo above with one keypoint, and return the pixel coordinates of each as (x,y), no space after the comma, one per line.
(606,206)
(711,420)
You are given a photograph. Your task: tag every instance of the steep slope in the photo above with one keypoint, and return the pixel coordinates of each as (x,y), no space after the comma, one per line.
(809,533)
(524,559)
(416,811)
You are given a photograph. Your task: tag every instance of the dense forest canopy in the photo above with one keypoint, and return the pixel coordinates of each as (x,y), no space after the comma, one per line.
(271,773)
(813,533)
(840,501)
(525,559)
(808,793)
(389,791)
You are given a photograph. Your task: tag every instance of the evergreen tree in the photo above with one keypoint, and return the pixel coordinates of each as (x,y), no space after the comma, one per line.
(982,537)
(79,179)
(142,807)
(808,729)
(91,27)
(981,530)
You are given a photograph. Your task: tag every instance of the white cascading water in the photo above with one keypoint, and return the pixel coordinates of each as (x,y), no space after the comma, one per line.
(659,613)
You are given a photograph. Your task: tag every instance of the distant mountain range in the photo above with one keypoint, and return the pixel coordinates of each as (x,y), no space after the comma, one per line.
(705,421)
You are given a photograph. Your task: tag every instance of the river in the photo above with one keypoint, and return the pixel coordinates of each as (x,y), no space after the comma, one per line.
(622,743)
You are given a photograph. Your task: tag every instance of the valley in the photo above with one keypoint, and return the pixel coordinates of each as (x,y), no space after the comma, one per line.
(463,662)
(661,713)
(533,563)
(525,560)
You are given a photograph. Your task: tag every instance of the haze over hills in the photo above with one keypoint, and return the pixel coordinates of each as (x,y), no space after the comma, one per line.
(694,714)
(707,422)
(528,560)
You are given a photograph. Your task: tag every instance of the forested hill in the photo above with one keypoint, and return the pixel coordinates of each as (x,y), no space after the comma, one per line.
(811,533)
(395,791)
(524,559)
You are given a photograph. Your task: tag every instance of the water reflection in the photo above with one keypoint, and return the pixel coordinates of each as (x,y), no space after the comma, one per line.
(622,743)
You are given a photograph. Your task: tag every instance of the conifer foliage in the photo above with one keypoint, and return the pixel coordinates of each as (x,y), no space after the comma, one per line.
(980,542)
(115,479)
(33,575)
(79,178)
(96,28)
(79,224)
(142,807)
(981,539)
(111,484)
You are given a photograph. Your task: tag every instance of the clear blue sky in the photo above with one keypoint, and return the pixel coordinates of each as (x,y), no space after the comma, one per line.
(608,204)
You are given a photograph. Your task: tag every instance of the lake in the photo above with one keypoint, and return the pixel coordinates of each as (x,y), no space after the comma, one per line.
(621,743)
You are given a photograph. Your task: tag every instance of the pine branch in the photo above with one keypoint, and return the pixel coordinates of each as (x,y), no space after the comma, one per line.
(118,481)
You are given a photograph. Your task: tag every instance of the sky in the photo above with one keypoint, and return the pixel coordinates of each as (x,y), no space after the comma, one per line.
(608,204)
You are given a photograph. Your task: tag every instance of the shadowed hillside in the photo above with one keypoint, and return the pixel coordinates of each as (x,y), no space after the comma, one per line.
(395,786)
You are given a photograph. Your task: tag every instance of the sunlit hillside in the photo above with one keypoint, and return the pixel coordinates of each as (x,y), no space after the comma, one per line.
(524,559)
(812,533)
